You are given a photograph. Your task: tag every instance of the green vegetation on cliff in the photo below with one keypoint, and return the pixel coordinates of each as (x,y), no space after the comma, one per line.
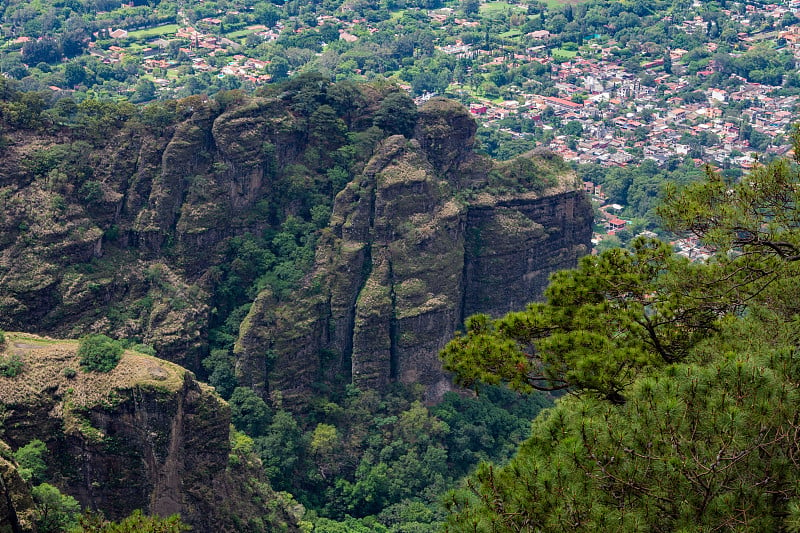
(307,250)
(137,522)
(99,353)
(144,435)
(169,224)
(17,508)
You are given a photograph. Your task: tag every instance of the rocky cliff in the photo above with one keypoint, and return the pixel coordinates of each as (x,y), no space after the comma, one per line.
(118,235)
(146,435)
(16,503)
(162,225)
(427,234)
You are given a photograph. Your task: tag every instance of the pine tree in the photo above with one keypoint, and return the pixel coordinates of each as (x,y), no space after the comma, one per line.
(683,378)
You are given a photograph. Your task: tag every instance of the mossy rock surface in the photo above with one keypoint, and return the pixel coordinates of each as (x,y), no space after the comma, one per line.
(428,233)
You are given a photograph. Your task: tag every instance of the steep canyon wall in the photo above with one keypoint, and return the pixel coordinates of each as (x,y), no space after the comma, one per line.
(129,235)
(146,435)
(428,234)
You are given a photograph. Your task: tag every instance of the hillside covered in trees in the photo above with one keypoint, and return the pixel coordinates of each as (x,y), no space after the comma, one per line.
(307,245)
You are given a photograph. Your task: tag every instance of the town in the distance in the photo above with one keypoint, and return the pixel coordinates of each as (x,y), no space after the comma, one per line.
(608,84)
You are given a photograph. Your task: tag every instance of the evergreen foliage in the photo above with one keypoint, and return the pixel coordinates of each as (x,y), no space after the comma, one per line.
(369,461)
(397,114)
(30,459)
(11,365)
(683,377)
(695,447)
(99,353)
(603,323)
(56,512)
(249,413)
(137,522)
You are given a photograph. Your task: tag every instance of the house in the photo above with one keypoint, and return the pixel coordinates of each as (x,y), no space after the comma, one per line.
(719,95)
(538,35)
(616,224)
(562,104)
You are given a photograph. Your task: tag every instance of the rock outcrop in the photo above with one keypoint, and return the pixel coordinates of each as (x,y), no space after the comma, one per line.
(146,435)
(129,234)
(426,235)
(126,222)
(16,503)
(119,236)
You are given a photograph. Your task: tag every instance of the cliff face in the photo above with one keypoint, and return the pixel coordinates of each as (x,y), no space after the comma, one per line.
(16,503)
(145,436)
(119,237)
(129,235)
(513,245)
(426,235)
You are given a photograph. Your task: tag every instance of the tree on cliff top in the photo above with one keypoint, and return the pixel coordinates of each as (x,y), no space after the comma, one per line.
(99,353)
(684,379)
(397,114)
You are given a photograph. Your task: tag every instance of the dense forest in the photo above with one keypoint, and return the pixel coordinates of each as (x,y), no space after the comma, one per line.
(280,218)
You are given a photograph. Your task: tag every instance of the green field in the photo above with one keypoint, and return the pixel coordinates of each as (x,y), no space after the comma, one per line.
(565,54)
(238,34)
(135,48)
(511,34)
(153,32)
(495,8)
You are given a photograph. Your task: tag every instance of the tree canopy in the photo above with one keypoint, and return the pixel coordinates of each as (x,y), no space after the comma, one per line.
(615,315)
(99,353)
(682,378)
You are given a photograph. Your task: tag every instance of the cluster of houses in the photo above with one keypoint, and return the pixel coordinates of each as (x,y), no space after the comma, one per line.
(198,45)
(609,223)
(610,104)
(622,119)
(608,116)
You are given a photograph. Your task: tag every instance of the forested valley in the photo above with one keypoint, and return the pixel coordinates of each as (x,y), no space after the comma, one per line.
(303,300)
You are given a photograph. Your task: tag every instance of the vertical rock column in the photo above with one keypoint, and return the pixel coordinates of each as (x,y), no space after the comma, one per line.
(372,335)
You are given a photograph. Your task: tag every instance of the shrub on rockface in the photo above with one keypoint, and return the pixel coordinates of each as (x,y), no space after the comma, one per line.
(99,353)
(11,366)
